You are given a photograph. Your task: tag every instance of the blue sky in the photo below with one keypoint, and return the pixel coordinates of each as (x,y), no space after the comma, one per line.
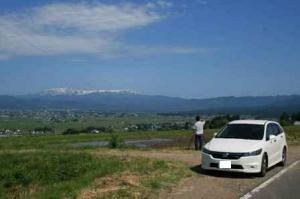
(192,49)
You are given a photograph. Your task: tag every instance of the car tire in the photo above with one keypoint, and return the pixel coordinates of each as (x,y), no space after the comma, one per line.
(284,157)
(264,166)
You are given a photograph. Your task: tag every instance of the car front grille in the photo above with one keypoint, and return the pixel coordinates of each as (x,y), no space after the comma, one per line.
(225,155)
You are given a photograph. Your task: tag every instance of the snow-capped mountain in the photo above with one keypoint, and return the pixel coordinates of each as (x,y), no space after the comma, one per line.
(128,101)
(73,91)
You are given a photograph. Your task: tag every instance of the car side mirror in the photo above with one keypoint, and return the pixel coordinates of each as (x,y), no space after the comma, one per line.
(215,134)
(271,137)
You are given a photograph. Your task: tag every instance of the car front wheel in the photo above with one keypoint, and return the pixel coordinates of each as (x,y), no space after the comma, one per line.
(264,166)
(283,157)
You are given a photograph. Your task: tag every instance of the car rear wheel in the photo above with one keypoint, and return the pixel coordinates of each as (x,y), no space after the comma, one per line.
(283,157)
(264,166)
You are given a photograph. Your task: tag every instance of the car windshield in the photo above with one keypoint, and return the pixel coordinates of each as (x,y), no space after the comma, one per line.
(242,131)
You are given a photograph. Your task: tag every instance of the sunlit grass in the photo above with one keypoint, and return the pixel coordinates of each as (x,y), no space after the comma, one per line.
(46,174)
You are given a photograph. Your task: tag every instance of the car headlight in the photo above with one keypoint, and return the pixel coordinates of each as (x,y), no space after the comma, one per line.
(253,153)
(205,150)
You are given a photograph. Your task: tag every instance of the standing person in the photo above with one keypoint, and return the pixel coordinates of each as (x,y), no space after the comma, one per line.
(198,133)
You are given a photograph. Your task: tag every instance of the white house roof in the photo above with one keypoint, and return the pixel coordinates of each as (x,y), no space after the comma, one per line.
(259,122)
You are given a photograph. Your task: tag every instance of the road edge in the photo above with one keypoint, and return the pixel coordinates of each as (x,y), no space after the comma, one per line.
(270,180)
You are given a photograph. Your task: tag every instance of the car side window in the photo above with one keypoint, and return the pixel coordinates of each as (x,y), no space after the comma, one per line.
(279,130)
(276,129)
(269,132)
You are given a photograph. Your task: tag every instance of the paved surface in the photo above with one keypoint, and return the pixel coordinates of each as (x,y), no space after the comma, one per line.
(286,186)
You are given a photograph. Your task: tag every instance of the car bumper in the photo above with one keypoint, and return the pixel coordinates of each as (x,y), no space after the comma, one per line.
(250,164)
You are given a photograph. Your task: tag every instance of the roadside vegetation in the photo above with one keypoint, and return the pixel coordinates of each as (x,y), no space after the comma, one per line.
(50,174)
(288,120)
(51,166)
(293,134)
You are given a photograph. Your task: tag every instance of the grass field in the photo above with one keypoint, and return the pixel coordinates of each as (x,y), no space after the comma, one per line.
(118,122)
(48,167)
(24,123)
(61,141)
(49,174)
(293,134)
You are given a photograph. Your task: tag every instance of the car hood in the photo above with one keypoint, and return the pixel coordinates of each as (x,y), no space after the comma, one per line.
(233,145)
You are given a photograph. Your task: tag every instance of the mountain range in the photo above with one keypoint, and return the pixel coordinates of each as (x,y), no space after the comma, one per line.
(128,101)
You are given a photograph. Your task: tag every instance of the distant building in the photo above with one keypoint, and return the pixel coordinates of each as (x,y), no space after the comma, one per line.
(95,131)
(297,123)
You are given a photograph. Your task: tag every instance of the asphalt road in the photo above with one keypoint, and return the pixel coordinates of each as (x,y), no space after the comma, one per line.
(286,186)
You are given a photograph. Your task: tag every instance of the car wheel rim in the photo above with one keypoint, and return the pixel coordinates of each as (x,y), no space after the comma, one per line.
(264,165)
(283,156)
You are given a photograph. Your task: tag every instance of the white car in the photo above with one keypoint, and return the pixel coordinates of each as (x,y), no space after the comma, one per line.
(249,146)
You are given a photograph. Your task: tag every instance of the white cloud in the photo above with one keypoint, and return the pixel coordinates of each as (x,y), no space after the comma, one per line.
(65,28)
(95,17)
(19,41)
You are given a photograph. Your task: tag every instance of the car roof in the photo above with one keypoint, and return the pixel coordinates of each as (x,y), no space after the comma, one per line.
(258,122)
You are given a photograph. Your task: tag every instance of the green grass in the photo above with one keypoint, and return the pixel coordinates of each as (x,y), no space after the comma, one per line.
(117,122)
(17,123)
(64,141)
(64,174)
(293,134)
(51,174)
(54,141)
(51,170)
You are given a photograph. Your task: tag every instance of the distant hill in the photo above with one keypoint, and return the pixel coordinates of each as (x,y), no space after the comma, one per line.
(127,101)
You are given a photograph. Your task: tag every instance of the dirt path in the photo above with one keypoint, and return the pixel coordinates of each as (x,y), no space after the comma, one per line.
(203,184)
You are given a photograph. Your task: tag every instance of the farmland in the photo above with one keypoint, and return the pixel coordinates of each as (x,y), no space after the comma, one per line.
(61,120)
(51,166)
(63,141)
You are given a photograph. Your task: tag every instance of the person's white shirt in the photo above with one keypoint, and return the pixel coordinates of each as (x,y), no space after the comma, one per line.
(198,127)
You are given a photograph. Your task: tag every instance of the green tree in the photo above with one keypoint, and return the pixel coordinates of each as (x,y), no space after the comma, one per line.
(285,119)
(296,116)
(70,131)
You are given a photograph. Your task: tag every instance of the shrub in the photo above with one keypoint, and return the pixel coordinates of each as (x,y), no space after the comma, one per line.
(70,132)
(115,141)
(285,119)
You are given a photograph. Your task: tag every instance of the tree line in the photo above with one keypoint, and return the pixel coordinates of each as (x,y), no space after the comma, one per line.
(287,120)
(90,129)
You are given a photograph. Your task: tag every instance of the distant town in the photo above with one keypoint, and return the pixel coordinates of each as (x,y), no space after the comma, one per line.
(17,123)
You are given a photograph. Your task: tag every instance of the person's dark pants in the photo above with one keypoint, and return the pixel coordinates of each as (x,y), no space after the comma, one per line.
(199,142)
